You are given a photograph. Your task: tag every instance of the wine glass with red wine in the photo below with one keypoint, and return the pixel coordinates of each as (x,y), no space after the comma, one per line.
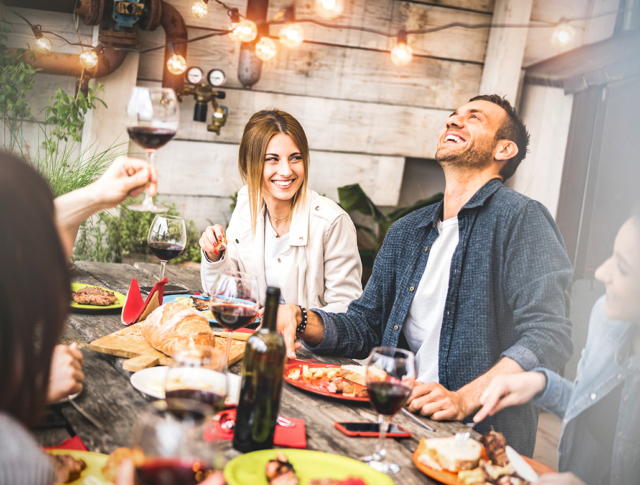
(196,384)
(391,374)
(152,120)
(167,238)
(234,301)
(171,450)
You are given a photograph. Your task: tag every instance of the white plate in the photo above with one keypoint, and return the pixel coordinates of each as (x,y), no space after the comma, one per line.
(151,382)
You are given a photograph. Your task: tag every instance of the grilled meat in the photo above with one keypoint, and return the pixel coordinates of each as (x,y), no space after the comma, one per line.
(201,305)
(66,468)
(91,295)
(280,471)
(495,445)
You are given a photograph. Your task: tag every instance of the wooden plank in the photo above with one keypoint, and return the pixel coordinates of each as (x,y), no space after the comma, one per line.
(331,125)
(336,72)
(477,5)
(203,210)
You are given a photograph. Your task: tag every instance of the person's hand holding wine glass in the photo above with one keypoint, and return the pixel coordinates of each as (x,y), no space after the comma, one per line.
(167,239)
(152,120)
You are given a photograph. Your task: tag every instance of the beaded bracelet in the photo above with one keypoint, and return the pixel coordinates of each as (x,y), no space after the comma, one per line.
(303,324)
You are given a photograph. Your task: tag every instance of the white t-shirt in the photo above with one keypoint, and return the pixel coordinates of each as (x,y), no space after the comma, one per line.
(424,320)
(274,246)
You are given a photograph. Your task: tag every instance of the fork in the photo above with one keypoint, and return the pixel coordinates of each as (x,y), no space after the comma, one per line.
(463,435)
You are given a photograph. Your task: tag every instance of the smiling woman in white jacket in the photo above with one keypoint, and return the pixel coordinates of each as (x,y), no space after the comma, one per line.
(282,232)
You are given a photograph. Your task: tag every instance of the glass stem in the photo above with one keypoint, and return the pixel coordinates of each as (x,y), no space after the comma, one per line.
(226,358)
(162,266)
(147,198)
(384,427)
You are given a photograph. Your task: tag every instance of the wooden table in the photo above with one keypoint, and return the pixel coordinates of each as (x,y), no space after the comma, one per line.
(109,396)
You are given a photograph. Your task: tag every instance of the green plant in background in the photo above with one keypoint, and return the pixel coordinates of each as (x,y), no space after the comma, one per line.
(17,78)
(109,238)
(353,198)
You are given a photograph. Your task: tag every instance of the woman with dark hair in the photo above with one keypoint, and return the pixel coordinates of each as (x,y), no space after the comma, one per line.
(36,239)
(600,440)
(282,232)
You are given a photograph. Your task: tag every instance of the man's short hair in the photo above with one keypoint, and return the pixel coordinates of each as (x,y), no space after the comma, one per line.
(512,129)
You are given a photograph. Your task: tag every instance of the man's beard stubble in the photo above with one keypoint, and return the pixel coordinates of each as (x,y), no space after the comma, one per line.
(472,157)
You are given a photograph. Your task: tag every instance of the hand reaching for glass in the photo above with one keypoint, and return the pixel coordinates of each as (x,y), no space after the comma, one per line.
(213,242)
(126,177)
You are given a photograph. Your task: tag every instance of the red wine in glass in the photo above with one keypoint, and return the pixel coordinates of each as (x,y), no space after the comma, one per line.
(233,316)
(387,397)
(171,471)
(165,251)
(150,138)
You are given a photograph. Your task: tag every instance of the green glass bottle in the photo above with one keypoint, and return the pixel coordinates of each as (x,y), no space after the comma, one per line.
(262,376)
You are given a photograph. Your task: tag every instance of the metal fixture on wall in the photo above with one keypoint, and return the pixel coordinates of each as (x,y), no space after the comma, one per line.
(205,93)
(249,65)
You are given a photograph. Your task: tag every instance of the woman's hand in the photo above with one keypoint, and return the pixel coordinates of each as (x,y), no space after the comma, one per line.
(559,479)
(66,376)
(509,390)
(213,242)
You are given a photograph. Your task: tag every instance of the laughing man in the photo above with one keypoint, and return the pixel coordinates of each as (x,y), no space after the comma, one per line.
(473,285)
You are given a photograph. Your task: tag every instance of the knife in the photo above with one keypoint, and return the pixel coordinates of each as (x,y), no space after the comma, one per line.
(521,466)
(424,425)
(91,419)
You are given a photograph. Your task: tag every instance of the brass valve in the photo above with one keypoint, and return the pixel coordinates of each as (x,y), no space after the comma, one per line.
(204,94)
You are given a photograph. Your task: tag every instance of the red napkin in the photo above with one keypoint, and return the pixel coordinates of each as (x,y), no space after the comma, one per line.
(294,437)
(136,310)
(74,443)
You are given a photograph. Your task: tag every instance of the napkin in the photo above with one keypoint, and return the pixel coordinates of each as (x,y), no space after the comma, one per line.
(294,437)
(134,309)
(74,443)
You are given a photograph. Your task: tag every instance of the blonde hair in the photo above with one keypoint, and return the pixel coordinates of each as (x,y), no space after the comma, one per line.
(260,129)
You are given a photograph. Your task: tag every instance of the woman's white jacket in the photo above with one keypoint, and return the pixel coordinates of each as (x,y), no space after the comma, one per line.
(321,268)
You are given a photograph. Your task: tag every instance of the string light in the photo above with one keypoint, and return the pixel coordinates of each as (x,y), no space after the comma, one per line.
(266,49)
(329,9)
(402,53)
(43,45)
(291,35)
(563,34)
(89,59)
(200,9)
(243,31)
(176,64)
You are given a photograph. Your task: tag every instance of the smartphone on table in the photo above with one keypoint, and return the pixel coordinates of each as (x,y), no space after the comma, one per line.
(368,430)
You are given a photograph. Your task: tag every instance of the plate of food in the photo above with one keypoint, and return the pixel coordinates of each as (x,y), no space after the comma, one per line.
(89,297)
(200,303)
(151,382)
(339,381)
(300,467)
(474,463)
(78,467)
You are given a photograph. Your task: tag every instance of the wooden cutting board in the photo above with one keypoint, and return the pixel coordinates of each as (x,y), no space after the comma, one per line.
(129,343)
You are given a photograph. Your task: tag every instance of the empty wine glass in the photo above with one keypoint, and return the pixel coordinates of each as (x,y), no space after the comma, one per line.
(391,374)
(167,238)
(152,120)
(196,382)
(234,301)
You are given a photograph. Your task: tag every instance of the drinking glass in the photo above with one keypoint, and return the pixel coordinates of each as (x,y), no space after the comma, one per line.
(234,301)
(171,450)
(196,382)
(152,120)
(167,238)
(391,374)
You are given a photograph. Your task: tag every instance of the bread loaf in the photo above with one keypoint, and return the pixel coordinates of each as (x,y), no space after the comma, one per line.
(449,457)
(173,326)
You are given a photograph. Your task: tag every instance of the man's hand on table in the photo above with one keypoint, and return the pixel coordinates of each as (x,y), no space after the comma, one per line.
(66,376)
(289,317)
(434,400)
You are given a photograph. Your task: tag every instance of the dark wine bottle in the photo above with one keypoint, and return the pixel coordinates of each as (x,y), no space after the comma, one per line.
(262,376)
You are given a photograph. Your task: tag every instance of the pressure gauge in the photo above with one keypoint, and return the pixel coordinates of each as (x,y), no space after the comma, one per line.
(216,77)
(195,75)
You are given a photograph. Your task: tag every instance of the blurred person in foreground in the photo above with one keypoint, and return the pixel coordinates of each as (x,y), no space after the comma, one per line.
(35,290)
(474,285)
(600,440)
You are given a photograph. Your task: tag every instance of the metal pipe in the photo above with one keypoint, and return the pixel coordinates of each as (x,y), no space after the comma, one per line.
(249,65)
(175,30)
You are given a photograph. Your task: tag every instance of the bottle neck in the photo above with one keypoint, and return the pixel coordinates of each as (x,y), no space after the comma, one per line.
(271,309)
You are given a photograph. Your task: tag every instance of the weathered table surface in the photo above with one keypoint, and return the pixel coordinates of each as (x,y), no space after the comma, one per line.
(109,396)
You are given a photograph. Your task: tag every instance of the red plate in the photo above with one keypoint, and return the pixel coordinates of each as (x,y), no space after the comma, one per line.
(312,385)
(450,478)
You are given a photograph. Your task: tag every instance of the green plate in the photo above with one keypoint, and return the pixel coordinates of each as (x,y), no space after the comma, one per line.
(249,468)
(95,462)
(118,304)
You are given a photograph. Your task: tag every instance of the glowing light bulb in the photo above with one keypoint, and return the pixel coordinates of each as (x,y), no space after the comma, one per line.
(43,45)
(266,49)
(329,9)
(199,9)
(291,35)
(401,54)
(176,64)
(243,31)
(563,35)
(89,59)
